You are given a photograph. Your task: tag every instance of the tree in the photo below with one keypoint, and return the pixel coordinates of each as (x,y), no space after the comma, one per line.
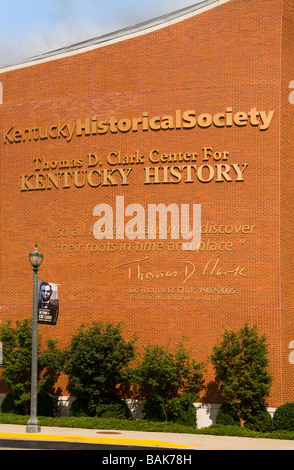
(50,364)
(241,366)
(16,368)
(162,376)
(96,361)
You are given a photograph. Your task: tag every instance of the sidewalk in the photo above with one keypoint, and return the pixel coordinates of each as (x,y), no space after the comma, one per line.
(148,439)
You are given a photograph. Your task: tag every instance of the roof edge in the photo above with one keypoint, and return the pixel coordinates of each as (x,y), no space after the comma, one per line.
(118,36)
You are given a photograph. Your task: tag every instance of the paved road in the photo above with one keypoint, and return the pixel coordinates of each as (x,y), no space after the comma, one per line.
(32,444)
(118,440)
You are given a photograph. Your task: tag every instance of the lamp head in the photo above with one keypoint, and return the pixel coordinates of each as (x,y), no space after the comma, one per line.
(36,258)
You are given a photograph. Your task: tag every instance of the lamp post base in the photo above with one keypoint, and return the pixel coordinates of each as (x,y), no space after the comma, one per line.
(33,427)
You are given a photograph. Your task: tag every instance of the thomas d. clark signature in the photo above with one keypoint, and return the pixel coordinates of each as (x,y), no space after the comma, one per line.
(135,270)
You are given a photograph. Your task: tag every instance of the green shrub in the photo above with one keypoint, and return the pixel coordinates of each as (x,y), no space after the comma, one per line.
(16,369)
(241,364)
(181,410)
(259,420)
(11,404)
(104,409)
(78,409)
(178,410)
(162,376)
(227,415)
(115,409)
(153,410)
(47,404)
(97,359)
(283,418)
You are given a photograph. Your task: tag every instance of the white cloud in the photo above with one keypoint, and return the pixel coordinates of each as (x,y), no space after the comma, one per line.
(51,24)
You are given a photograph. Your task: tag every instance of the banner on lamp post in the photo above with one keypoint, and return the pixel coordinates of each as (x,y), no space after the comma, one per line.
(48,305)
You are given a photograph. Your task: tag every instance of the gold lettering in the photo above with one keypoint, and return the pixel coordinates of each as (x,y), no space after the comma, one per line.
(222,171)
(217,271)
(176,172)
(53,179)
(124,175)
(76,178)
(189,119)
(266,119)
(200,173)
(219,120)
(148,175)
(83,126)
(238,171)
(40,181)
(37,162)
(204,120)
(178,120)
(154,123)
(108,179)
(188,273)
(17,136)
(25,185)
(53,136)
(7,137)
(90,181)
(92,160)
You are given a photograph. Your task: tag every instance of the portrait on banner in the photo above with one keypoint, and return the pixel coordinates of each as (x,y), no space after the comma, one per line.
(48,305)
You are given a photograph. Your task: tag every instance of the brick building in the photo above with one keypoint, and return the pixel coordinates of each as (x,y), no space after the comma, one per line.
(192,109)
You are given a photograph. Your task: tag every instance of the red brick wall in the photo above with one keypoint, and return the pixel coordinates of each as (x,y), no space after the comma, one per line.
(287,259)
(225,58)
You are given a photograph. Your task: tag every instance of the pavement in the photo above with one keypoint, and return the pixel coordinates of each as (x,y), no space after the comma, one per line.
(131,439)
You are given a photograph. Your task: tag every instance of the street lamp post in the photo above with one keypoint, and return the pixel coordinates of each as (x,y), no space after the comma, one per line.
(33,425)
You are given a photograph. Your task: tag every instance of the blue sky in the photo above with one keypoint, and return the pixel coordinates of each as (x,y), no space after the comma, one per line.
(31,27)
